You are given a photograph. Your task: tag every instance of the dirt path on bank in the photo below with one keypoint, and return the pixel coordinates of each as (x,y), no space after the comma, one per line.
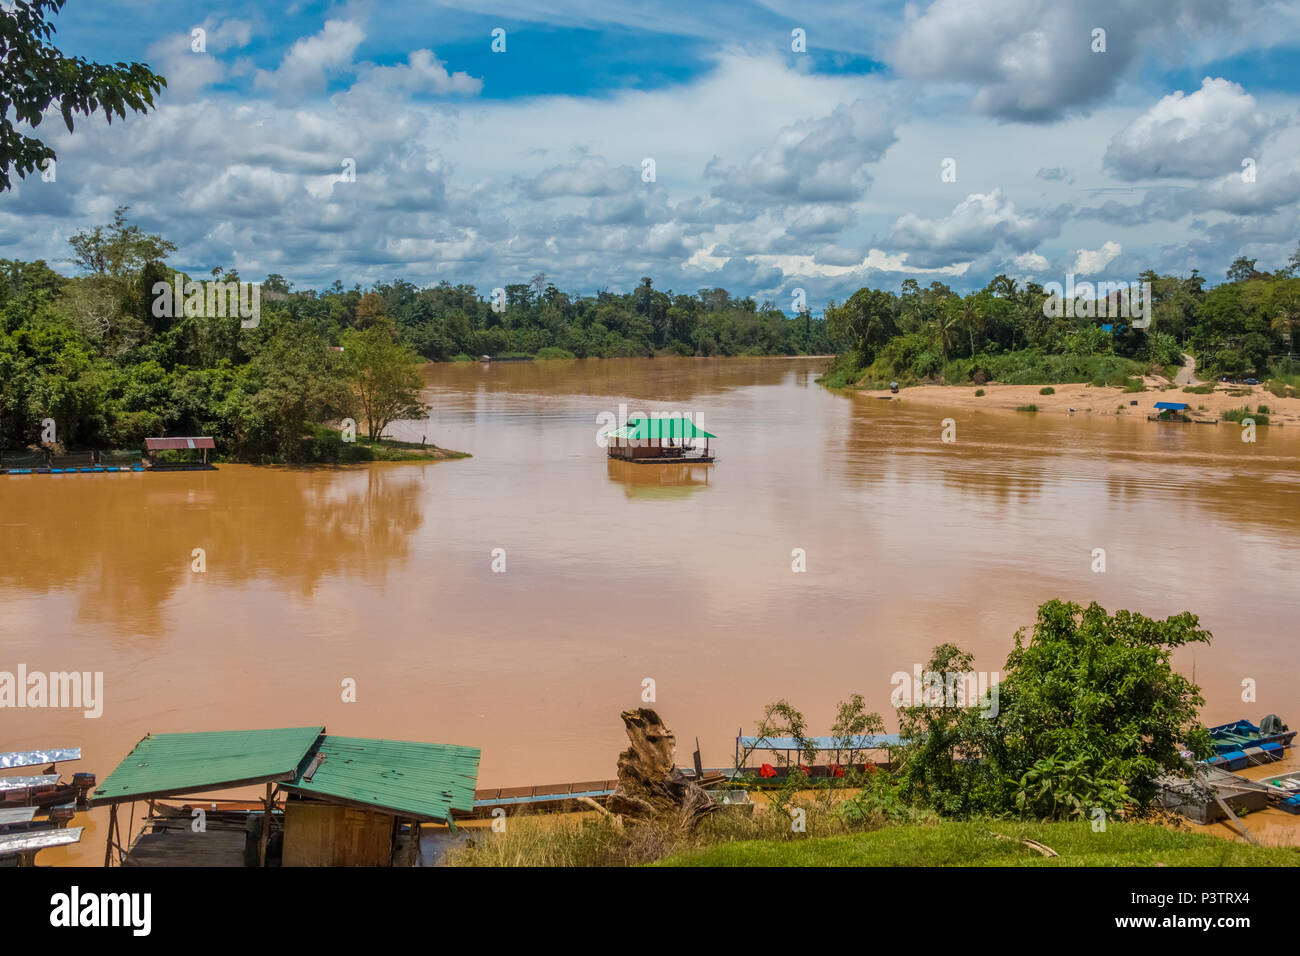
(1187,374)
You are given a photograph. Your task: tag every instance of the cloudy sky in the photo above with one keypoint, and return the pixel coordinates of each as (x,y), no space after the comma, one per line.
(690,142)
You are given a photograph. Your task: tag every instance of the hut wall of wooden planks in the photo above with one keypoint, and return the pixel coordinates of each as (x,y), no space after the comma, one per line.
(326,834)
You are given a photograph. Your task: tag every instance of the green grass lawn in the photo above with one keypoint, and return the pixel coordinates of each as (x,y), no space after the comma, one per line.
(973,844)
(389,449)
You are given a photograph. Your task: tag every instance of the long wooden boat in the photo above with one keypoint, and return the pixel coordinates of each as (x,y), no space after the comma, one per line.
(1241,734)
(45,789)
(22,835)
(21,847)
(1285,784)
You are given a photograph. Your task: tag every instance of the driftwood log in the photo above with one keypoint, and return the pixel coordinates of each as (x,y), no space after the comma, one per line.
(650,787)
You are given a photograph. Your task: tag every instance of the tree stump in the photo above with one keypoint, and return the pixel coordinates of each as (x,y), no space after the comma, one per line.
(650,787)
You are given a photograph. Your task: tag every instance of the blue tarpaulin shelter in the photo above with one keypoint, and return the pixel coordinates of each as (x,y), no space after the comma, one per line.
(1172,406)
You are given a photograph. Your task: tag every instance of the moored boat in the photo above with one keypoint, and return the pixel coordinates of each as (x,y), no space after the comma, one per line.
(45,789)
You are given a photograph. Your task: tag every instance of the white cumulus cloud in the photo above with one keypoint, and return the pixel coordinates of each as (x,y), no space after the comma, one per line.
(1200,135)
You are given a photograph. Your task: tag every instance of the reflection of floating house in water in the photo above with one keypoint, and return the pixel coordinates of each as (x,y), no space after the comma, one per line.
(153,446)
(648,441)
(343,801)
(670,480)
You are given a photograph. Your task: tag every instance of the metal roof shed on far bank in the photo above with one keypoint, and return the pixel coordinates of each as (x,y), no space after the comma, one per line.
(171,764)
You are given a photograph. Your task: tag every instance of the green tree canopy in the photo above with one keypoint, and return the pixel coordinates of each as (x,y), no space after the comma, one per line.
(383,373)
(1088,713)
(36,76)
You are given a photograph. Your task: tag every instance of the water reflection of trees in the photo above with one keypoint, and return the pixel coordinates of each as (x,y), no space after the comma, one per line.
(657,383)
(124,546)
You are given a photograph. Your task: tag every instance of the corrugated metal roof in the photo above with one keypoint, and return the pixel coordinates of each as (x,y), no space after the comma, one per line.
(37,758)
(22,783)
(168,764)
(646,428)
(857,742)
(161,444)
(25,841)
(418,780)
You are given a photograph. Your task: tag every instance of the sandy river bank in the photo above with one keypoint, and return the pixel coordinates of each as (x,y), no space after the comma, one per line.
(1087,399)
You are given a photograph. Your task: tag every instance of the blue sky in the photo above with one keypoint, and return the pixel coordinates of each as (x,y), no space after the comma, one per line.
(774,169)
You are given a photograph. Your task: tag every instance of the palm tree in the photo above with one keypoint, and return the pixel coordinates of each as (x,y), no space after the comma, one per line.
(972,318)
(1288,314)
(947,322)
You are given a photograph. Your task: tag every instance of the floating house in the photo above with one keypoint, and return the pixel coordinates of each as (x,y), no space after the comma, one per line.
(328,801)
(192,462)
(1170,412)
(653,440)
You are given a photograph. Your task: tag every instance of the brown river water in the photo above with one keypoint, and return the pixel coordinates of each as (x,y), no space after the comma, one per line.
(617,573)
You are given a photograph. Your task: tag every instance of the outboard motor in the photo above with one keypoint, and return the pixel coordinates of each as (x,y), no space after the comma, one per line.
(82,784)
(1272,724)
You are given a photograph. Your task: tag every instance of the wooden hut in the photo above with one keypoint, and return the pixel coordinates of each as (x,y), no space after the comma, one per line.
(201,444)
(329,801)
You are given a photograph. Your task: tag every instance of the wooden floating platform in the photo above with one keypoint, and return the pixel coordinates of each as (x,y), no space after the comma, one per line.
(183,847)
(1196,798)
(96,470)
(703,460)
(554,793)
(559,796)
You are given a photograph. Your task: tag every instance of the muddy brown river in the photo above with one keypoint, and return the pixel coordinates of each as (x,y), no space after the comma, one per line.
(616,574)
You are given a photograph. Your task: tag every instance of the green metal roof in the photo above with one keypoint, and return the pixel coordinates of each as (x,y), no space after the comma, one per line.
(645,428)
(421,781)
(170,764)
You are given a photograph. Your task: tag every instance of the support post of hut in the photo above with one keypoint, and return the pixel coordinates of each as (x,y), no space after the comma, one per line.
(266,828)
(112,826)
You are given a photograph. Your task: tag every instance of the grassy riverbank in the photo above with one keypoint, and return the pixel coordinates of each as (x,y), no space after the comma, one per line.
(325,445)
(999,843)
(765,839)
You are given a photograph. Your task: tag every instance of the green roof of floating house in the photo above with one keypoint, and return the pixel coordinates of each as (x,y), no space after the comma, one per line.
(647,428)
(171,764)
(417,780)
